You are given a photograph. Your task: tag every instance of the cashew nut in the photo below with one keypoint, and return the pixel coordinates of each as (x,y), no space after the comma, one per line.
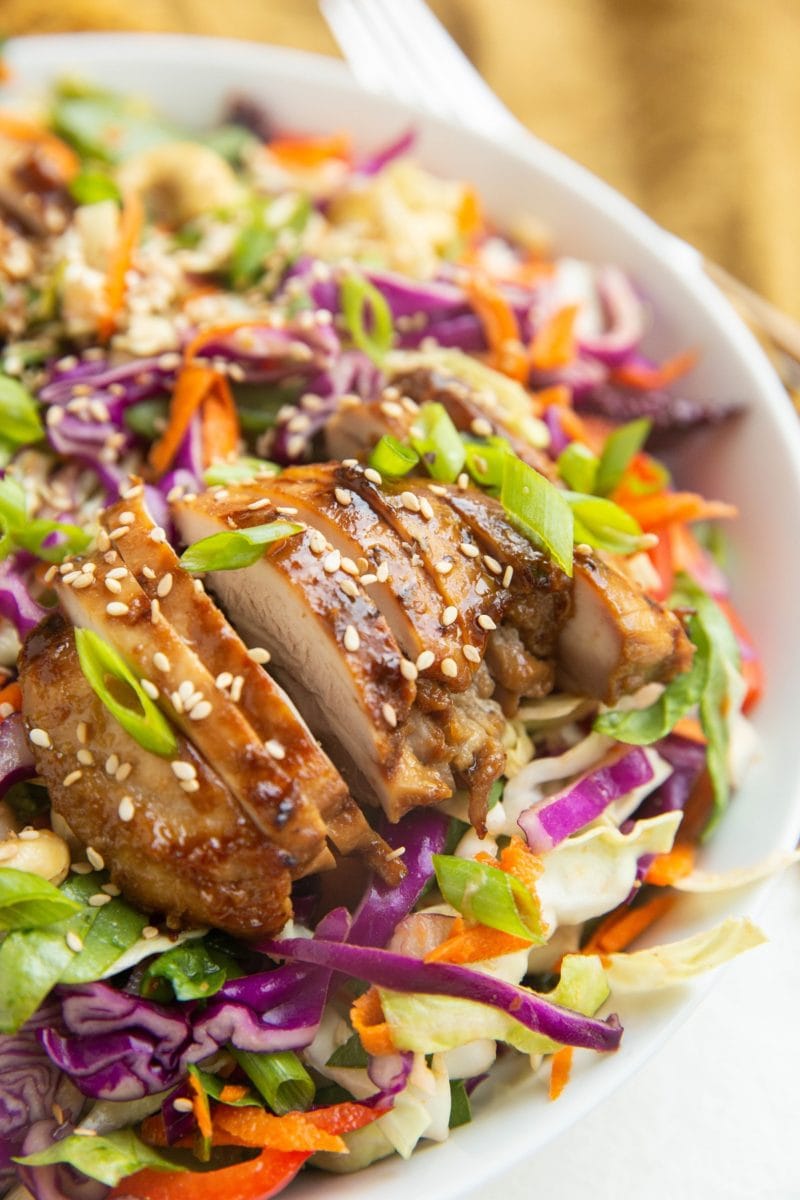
(46,855)
(180,180)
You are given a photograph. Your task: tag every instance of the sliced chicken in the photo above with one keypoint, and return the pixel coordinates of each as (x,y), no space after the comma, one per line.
(332,646)
(617,639)
(185,605)
(192,855)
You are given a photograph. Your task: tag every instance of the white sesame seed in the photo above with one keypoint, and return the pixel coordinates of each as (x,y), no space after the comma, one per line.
(492,564)
(83,581)
(95,858)
(349,566)
(264,502)
(317,543)
(28,835)
(393,854)
(73,777)
(200,711)
(486,622)
(182,769)
(408,670)
(349,587)
(286,510)
(110,889)
(198,585)
(155,609)
(443,567)
(149,688)
(425,508)
(157,534)
(74,942)
(126,811)
(351,639)
(332,562)
(99,899)
(131,492)
(508,575)
(274,749)
(463,481)
(481,427)
(185,690)
(258,654)
(123,771)
(382,572)
(389,715)
(164,585)
(236,688)
(117,609)
(80,1132)
(112,764)
(390,409)
(161,662)
(66,568)
(149,931)
(425,659)
(6,710)
(437,489)
(482,587)
(41,738)
(189,785)
(103,541)
(50,573)
(368,579)
(469,551)
(410,501)
(449,668)
(113,585)
(472,654)
(126,518)
(110,556)
(81,868)
(118,533)
(182,1104)
(85,757)
(223,680)
(373,476)
(450,615)
(343,496)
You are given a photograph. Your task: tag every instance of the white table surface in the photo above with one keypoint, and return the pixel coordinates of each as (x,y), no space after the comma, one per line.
(715,1114)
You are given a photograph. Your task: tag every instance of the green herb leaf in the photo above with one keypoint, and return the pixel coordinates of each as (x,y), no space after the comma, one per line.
(601,523)
(460,1108)
(350,1054)
(20,532)
(253,243)
(101,125)
(236,549)
(115,928)
(108,1158)
(241,469)
(539,510)
(194,971)
(438,442)
(577,466)
(28,901)
(91,186)
(214,1088)
(391,458)
(31,964)
(619,449)
(367,316)
(20,423)
(281,1079)
(486,895)
(642,726)
(148,726)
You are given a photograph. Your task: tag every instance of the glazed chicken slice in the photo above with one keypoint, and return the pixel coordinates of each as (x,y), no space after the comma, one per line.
(332,647)
(191,854)
(260,775)
(185,605)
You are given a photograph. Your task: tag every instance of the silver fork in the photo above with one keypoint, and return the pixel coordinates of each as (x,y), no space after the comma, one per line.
(400,49)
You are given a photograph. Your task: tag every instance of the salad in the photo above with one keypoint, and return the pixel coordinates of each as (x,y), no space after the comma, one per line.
(368,686)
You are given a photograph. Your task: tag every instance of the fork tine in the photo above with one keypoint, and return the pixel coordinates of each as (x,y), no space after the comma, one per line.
(356,41)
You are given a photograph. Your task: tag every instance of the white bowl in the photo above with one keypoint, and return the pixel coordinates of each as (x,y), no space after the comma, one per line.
(754,462)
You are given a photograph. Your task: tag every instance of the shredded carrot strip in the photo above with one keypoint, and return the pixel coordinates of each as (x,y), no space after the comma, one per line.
(231,1092)
(560,1068)
(130,226)
(666,868)
(499,325)
(212,333)
(475,943)
(559,396)
(296,153)
(690,727)
(641,376)
(61,156)
(220,423)
(192,387)
(469,216)
(553,344)
(624,925)
(254,1127)
(664,508)
(200,1108)
(11,694)
(369,1023)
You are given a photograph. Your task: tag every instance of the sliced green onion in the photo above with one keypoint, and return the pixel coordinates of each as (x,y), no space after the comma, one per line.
(281,1079)
(20,532)
(392,458)
(92,186)
(148,418)
(28,901)
(539,510)
(214,1088)
(438,442)
(109,1157)
(99,661)
(20,422)
(253,243)
(601,523)
(237,549)
(240,470)
(460,1108)
(486,895)
(367,316)
(577,466)
(350,1054)
(485,461)
(620,447)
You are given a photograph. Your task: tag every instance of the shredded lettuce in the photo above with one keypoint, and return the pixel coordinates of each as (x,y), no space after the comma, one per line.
(107,1158)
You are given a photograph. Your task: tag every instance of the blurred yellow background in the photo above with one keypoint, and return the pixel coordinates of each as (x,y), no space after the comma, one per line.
(690,107)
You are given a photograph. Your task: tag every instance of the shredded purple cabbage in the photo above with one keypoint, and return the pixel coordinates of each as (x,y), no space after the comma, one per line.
(16,763)
(28,1082)
(16,603)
